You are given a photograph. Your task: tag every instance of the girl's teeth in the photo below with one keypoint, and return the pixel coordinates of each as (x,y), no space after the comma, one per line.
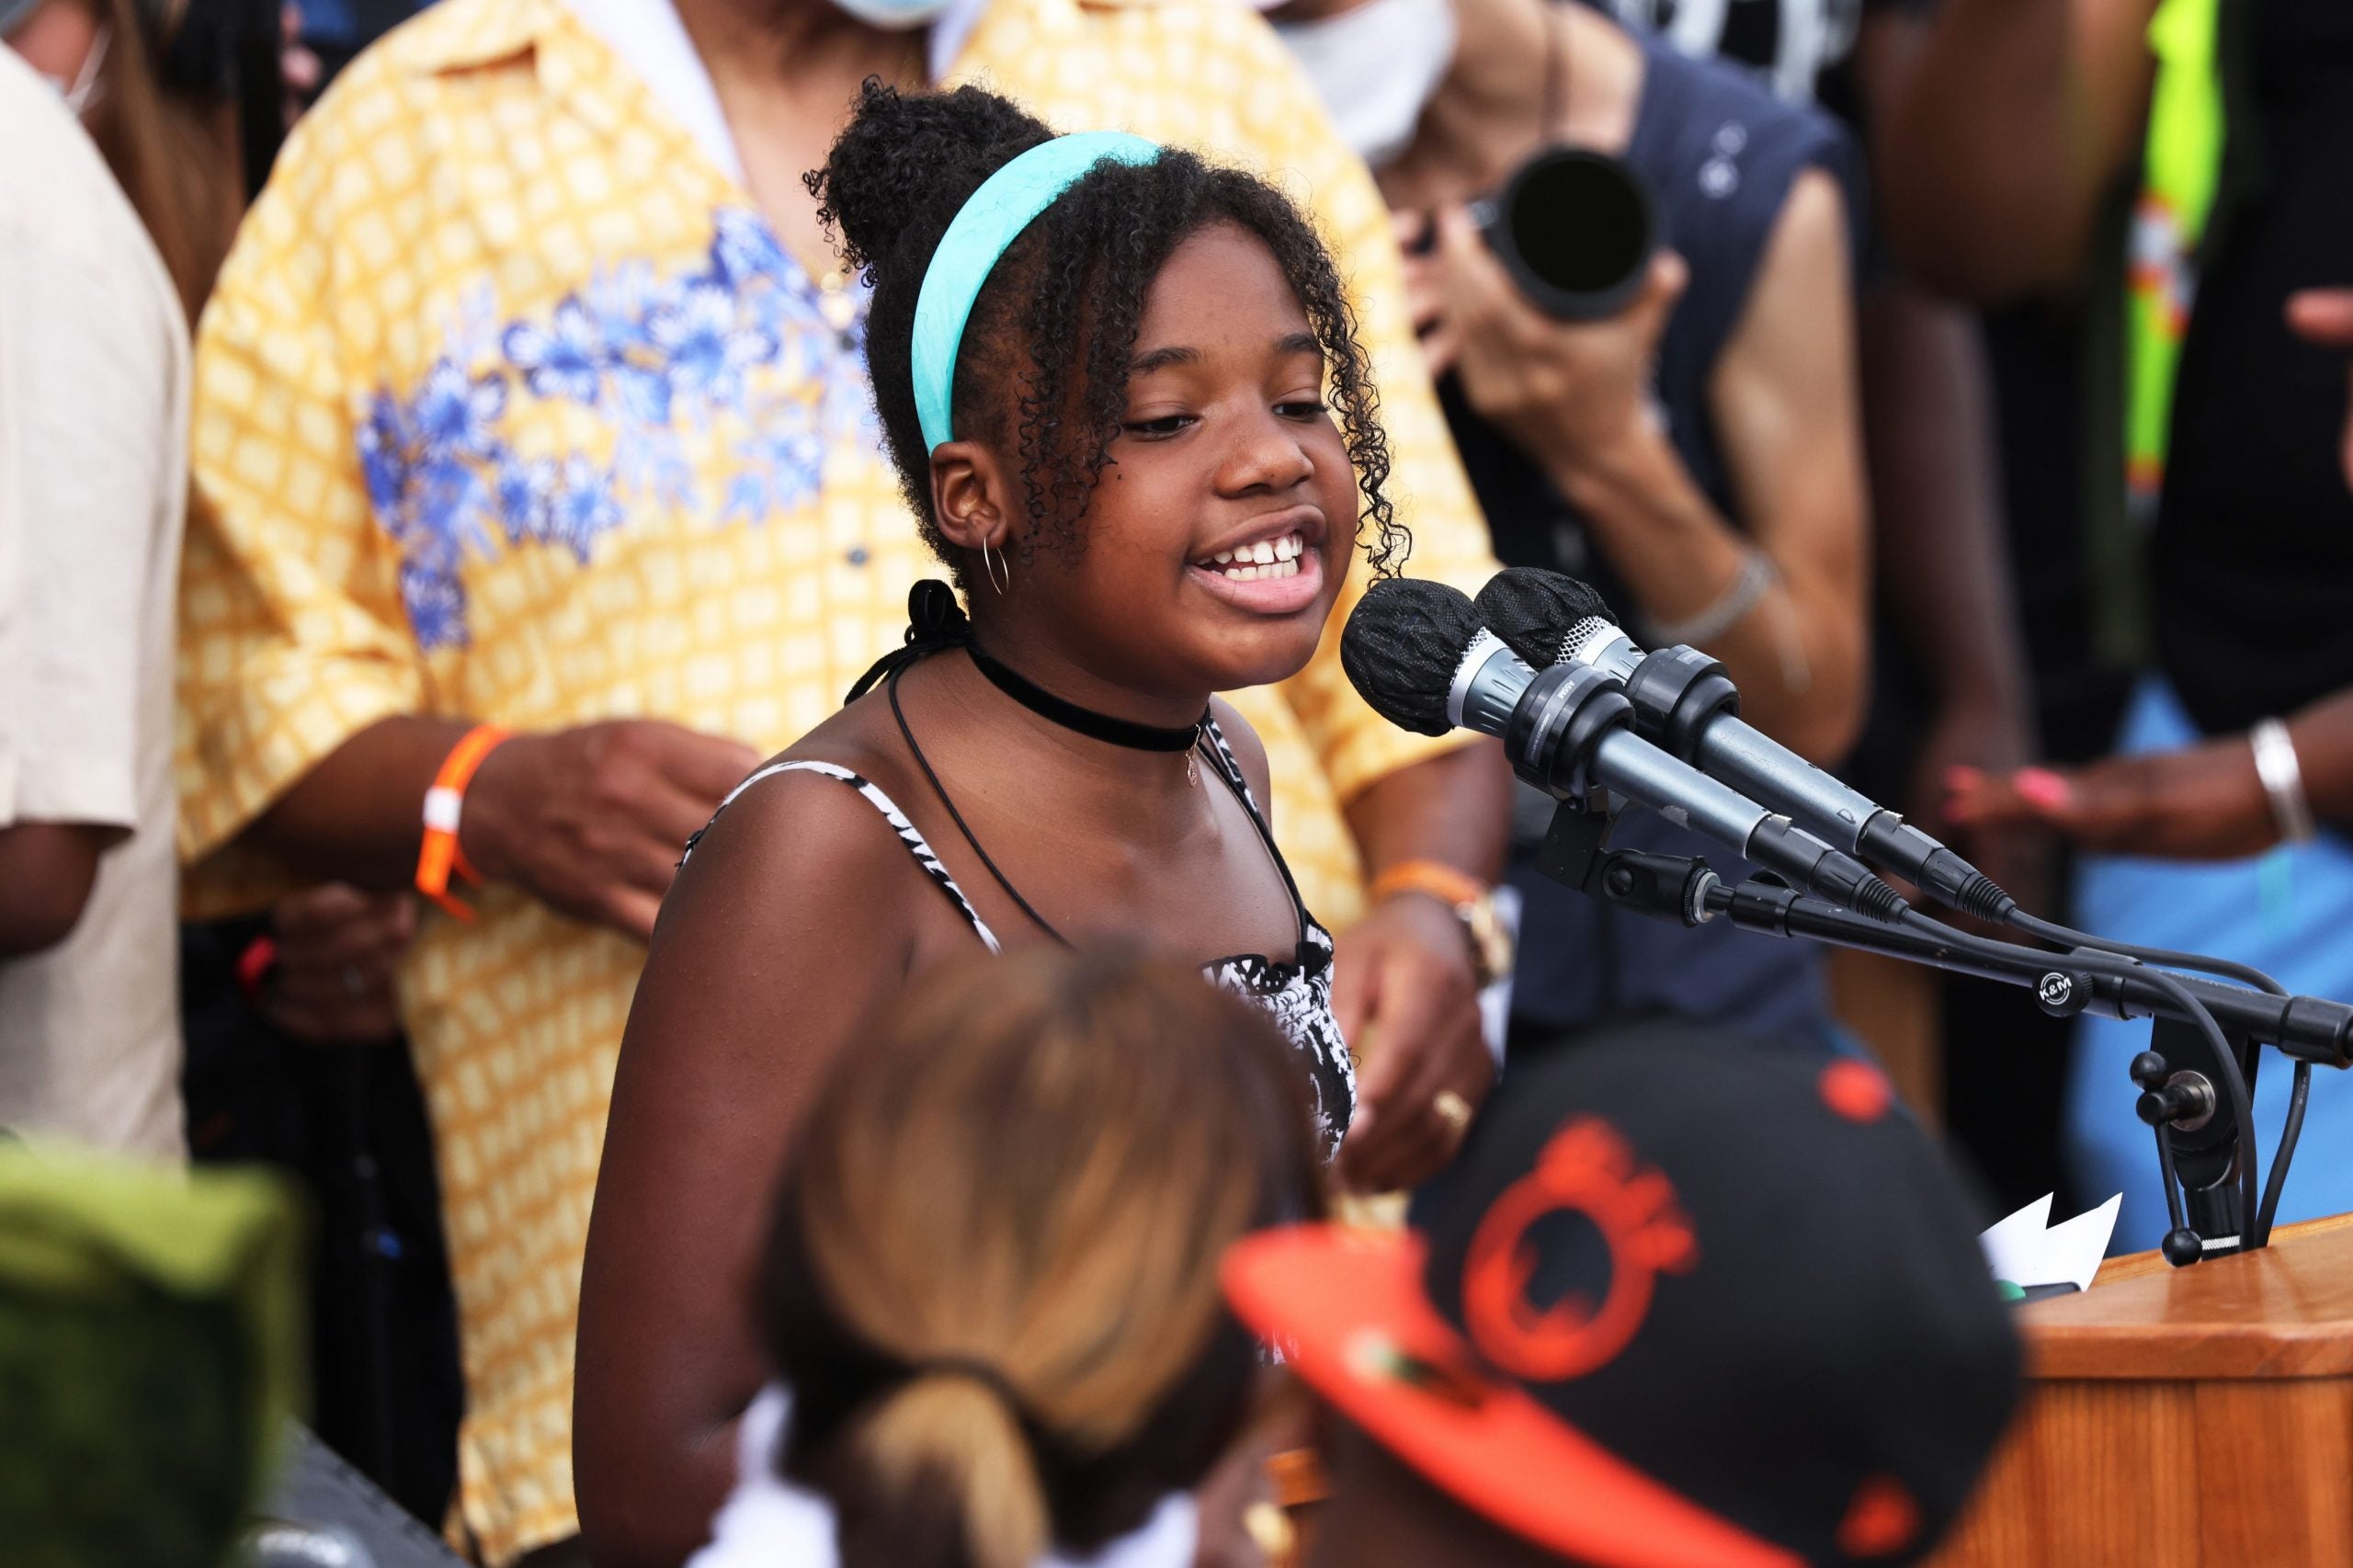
(1267,558)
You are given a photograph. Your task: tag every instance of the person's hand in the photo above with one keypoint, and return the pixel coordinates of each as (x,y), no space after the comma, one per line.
(337,951)
(1567,392)
(2202,803)
(592,820)
(1970,739)
(2324,317)
(1406,996)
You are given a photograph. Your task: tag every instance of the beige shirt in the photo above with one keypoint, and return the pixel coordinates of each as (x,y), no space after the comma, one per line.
(93,487)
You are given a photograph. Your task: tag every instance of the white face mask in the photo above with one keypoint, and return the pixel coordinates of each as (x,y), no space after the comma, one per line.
(895,15)
(1376,68)
(82,94)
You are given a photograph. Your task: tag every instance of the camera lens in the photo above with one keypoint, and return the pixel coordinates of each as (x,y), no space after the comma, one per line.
(1575,229)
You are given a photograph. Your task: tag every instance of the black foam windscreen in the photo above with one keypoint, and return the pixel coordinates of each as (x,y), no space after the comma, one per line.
(1532,610)
(1401,646)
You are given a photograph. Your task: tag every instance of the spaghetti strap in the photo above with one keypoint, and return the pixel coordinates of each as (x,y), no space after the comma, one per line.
(909,835)
(1229,768)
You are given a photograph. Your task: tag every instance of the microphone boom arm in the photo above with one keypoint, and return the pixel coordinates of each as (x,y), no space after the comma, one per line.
(1683,889)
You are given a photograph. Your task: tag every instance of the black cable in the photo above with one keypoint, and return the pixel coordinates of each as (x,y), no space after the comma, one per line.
(2067,936)
(2286,1152)
(2283,1153)
(2191,1008)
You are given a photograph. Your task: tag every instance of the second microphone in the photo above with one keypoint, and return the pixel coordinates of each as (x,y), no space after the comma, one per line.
(1418,654)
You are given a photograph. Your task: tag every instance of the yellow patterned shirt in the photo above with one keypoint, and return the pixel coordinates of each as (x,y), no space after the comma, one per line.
(510,406)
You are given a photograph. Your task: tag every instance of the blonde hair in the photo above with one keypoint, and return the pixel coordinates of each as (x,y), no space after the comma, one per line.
(994,1282)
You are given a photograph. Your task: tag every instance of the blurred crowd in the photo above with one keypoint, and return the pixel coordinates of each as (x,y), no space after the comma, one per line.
(444,449)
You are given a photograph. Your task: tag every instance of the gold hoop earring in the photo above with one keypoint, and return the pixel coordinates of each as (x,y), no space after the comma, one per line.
(993,563)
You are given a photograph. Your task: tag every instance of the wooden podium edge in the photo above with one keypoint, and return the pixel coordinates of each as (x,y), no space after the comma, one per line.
(2284,1312)
(2181,1418)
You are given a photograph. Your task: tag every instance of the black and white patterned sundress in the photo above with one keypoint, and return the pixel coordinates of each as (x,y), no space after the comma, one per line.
(1297,995)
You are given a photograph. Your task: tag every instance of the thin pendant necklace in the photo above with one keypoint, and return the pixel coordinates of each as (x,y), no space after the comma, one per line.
(1185,738)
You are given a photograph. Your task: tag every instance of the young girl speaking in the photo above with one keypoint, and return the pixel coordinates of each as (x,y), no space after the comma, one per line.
(1121,388)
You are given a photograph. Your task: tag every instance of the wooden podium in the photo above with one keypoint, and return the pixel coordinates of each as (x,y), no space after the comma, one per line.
(2177,1417)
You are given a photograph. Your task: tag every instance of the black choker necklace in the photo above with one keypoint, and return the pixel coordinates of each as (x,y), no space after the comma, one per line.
(1086,720)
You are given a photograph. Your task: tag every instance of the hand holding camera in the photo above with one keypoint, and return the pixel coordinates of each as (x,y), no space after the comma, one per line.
(1568,391)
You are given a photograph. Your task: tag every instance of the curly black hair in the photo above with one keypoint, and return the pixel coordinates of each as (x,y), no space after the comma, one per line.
(1062,305)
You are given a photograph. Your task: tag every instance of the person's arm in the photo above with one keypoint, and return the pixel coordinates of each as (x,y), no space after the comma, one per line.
(2012,120)
(784,928)
(1943,557)
(1944,568)
(1575,397)
(1407,969)
(293,634)
(89,413)
(589,820)
(2205,801)
(2201,802)
(46,870)
(310,736)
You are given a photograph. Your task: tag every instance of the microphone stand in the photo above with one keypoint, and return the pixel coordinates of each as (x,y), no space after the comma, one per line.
(2199,1139)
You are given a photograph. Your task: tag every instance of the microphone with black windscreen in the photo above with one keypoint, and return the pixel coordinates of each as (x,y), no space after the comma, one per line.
(1684,702)
(1416,651)
(1400,649)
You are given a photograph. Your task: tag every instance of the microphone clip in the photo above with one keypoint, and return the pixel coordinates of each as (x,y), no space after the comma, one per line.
(1572,848)
(1673,888)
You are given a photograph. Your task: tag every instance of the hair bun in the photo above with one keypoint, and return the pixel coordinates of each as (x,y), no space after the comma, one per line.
(907,162)
(942,1464)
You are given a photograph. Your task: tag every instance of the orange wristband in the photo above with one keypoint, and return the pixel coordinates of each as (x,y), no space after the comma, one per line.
(1442,881)
(440,854)
(1468,897)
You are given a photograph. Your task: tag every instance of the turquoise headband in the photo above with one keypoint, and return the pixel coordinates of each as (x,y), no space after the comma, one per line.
(1007,202)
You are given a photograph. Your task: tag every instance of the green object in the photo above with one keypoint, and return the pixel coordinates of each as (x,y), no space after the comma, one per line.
(149,1342)
(2011,1290)
(2181,169)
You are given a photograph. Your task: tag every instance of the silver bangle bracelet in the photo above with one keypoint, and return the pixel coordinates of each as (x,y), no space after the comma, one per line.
(2283,780)
(1757,574)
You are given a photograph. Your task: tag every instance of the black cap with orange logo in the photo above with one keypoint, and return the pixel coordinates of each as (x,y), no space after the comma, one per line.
(1683,1298)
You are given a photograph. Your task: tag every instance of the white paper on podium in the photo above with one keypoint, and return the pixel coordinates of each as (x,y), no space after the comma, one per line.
(2026,1249)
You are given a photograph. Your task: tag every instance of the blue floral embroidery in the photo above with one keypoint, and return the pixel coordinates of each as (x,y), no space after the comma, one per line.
(524,488)
(705,348)
(565,360)
(781,468)
(740,348)
(454,415)
(584,507)
(437,606)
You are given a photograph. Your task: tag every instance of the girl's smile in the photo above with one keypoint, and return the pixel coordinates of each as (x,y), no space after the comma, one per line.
(1275,569)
